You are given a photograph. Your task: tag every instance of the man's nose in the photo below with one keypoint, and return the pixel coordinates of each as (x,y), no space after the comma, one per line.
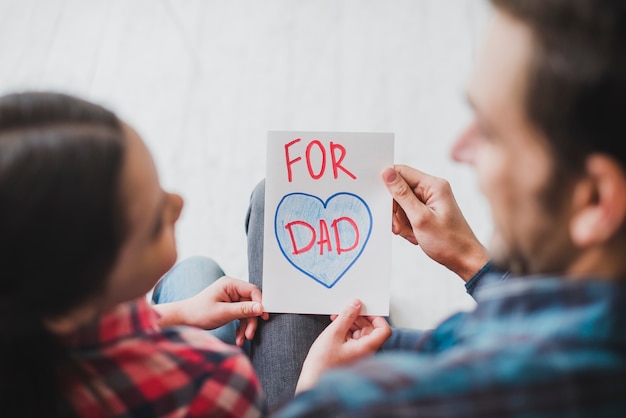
(463,149)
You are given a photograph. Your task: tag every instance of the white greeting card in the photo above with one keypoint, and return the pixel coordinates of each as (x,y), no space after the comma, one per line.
(327,222)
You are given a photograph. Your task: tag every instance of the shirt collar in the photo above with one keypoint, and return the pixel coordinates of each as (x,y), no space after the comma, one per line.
(125,320)
(494,288)
(551,306)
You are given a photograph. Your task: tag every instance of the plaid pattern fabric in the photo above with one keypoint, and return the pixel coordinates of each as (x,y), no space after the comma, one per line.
(533,347)
(129,367)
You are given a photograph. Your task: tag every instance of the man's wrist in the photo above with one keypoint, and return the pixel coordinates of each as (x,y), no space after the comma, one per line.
(471,263)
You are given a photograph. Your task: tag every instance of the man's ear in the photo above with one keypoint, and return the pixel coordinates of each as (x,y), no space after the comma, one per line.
(599,202)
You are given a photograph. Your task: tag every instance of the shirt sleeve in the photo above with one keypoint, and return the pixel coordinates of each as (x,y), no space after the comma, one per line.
(470,384)
(488,269)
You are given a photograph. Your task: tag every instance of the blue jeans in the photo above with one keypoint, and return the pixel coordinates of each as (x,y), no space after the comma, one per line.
(188,278)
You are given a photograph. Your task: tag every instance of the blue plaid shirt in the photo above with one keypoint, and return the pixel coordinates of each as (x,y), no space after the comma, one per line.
(533,347)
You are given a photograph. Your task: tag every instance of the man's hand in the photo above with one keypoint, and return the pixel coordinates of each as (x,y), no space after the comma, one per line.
(348,338)
(225,300)
(425,213)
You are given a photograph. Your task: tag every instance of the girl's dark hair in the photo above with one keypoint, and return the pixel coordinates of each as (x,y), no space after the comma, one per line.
(61,226)
(576,90)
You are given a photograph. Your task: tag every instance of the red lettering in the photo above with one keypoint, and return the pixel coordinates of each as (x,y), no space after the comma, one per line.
(337,162)
(335,224)
(337,155)
(324,237)
(308,159)
(291,162)
(296,250)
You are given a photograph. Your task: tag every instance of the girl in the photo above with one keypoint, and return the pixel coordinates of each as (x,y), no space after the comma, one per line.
(86,231)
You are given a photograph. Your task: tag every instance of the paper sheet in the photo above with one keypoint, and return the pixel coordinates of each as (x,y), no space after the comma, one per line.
(327,222)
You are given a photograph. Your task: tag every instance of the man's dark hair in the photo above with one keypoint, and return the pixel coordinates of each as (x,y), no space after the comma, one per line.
(576,91)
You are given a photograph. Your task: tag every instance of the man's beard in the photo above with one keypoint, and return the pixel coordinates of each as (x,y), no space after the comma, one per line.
(547,247)
(507,257)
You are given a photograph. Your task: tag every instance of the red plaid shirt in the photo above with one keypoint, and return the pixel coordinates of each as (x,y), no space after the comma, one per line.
(132,368)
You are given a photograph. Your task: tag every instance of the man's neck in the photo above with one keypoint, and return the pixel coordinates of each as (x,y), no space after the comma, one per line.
(606,262)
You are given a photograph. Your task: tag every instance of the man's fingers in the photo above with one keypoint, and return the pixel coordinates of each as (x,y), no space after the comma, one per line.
(401,225)
(399,189)
(403,194)
(380,333)
(408,208)
(362,323)
(413,176)
(346,318)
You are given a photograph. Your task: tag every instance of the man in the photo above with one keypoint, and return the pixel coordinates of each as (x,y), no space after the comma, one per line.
(549,96)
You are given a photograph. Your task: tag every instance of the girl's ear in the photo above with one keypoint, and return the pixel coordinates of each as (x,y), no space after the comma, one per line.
(599,202)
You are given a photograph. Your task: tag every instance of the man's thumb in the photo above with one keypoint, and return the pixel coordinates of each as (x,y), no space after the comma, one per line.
(348,315)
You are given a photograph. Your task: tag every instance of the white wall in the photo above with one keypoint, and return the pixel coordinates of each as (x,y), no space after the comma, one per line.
(204,80)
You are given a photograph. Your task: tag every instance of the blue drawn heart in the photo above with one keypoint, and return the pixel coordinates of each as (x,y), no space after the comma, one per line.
(322,239)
